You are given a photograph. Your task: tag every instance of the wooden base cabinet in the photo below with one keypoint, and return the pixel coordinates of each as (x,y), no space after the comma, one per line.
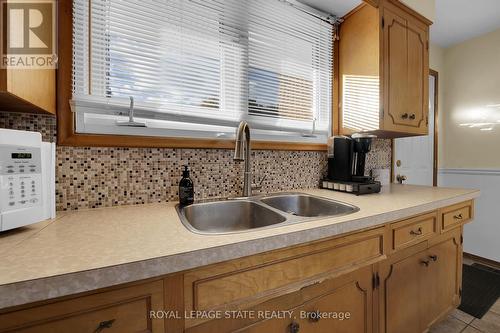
(401,277)
(421,285)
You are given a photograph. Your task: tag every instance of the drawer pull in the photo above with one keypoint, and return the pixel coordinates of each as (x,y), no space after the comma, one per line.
(416,233)
(404,116)
(294,327)
(433,257)
(412,116)
(458,217)
(425,262)
(104,324)
(313,316)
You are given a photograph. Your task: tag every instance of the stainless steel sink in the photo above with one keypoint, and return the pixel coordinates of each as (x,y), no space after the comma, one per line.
(240,215)
(229,216)
(307,205)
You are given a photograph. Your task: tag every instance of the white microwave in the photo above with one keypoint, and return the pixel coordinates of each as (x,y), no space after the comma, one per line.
(27,179)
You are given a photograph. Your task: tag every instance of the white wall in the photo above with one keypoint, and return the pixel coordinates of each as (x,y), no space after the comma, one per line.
(470,157)
(472,95)
(426,8)
(482,236)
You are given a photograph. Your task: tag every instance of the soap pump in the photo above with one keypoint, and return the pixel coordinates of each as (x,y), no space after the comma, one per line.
(186,188)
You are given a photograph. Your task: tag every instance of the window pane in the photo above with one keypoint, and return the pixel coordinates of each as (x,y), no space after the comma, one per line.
(202,63)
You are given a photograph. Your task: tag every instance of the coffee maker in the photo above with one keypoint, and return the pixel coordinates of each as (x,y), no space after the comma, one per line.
(340,158)
(346,164)
(362,144)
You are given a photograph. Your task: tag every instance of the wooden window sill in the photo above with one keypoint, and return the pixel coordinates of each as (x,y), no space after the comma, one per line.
(95,140)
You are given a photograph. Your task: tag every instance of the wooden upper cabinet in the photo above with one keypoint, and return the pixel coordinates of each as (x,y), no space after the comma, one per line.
(26,87)
(28,90)
(383,71)
(406,70)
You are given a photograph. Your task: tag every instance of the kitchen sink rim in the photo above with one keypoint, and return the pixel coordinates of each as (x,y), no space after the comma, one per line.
(290,219)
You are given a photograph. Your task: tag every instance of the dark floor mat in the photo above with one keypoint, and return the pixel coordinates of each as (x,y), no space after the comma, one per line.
(480,289)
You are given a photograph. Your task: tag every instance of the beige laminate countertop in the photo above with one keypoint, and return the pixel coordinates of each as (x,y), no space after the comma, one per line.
(92,249)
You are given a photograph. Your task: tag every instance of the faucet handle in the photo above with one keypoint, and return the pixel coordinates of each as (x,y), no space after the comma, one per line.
(259,185)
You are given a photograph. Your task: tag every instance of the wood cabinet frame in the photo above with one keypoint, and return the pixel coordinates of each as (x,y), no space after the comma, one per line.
(66,135)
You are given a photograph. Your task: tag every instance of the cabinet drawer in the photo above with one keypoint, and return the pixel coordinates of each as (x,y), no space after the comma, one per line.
(412,231)
(123,310)
(456,215)
(245,282)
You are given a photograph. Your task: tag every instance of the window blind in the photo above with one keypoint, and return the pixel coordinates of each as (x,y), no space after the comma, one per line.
(197,67)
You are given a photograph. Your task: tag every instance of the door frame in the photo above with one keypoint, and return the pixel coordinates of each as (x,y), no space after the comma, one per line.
(434,74)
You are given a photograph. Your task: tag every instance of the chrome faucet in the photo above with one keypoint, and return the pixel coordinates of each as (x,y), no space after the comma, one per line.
(242,152)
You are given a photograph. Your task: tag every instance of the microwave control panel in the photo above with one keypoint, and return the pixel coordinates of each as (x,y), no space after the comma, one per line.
(20,177)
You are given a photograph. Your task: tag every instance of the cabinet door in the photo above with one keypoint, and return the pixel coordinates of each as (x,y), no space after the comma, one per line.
(406,70)
(422,285)
(346,308)
(31,90)
(441,281)
(400,293)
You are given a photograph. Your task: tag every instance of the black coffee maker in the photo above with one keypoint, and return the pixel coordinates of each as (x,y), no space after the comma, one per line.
(346,164)
(340,158)
(362,144)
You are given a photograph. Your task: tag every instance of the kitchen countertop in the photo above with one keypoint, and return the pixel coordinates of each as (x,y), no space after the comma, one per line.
(87,250)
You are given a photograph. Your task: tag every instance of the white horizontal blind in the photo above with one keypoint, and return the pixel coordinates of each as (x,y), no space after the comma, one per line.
(198,67)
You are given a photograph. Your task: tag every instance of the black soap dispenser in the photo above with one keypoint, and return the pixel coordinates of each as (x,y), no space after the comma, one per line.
(186,188)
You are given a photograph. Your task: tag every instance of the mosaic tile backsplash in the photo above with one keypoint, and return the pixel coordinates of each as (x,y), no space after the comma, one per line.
(102,177)
(44,124)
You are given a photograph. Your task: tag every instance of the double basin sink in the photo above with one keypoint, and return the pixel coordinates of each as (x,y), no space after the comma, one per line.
(239,215)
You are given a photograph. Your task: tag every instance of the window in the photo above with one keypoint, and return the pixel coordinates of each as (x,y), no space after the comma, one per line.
(196,68)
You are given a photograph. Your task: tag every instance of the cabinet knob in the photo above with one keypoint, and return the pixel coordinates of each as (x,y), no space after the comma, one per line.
(418,232)
(104,324)
(401,178)
(404,115)
(425,262)
(313,316)
(412,116)
(433,257)
(294,327)
(458,217)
